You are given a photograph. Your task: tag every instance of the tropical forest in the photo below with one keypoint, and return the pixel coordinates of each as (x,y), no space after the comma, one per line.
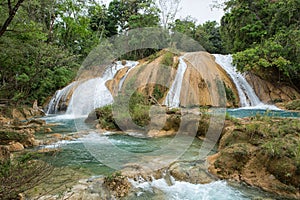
(132,99)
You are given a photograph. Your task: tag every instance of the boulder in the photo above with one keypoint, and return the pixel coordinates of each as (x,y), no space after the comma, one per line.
(192,172)
(15,146)
(47,130)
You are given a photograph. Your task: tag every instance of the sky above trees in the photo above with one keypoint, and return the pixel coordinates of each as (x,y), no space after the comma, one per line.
(201,10)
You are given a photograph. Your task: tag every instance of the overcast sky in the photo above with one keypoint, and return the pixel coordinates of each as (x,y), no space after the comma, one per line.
(199,9)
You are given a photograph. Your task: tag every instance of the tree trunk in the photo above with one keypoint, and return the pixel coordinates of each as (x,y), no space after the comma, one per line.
(12,13)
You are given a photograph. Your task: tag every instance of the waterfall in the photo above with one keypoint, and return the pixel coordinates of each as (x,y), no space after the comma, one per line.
(131,66)
(246,93)
(59,98)
(173,97)
(93,93)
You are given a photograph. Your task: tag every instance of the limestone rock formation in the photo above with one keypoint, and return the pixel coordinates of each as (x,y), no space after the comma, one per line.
(269,92)
(260,153)
(204,80)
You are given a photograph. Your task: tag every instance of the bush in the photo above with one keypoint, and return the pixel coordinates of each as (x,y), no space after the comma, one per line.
(139,107)
(167,59)
(21,174)
(293,105)
(105,116)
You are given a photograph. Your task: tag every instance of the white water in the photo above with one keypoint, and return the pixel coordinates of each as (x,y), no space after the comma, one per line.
(183,190)
(59,96)
(89,94)
(173,97)
(247,96)
(131,66)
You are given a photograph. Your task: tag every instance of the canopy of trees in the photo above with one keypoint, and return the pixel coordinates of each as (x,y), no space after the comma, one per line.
(43,43)
(265,37)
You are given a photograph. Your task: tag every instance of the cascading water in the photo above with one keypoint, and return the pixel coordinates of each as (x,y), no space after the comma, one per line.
(246,93)
(131,66)
(177,190)
(59,98)
(173,97)
(93,93)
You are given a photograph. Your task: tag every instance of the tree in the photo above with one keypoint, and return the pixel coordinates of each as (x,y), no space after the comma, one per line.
(265,37)
(186,26)
(169,10)
(147,16)
(130,14)
(31,67)
(100,22)
(208,35)
(12,10)
(72,27)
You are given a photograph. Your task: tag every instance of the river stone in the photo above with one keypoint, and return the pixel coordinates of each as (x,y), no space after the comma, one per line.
(192,172)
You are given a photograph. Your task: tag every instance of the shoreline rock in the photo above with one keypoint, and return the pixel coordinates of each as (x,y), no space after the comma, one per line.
(246,155)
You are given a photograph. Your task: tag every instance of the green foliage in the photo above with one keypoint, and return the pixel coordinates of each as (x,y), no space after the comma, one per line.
(21,174)
(34,71)
(208,35)
(167,59)
(138,107)
(186,26)
(138,54)
(293,105)
(277,138)
(6,137)
(113,176)
(158,92)
(265,37)
(133,14)
(230,96)
(105,116)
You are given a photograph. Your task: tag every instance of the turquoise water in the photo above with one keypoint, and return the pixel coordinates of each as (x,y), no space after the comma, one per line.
(240,113)
(75,154)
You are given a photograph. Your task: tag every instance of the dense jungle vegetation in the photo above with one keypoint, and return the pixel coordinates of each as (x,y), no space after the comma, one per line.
(43,43)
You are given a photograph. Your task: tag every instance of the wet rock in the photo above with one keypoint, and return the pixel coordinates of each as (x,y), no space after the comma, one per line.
(192,172)
(92,118)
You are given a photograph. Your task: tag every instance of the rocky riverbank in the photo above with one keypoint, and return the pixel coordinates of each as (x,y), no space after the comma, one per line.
(259,151)
(262,152)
